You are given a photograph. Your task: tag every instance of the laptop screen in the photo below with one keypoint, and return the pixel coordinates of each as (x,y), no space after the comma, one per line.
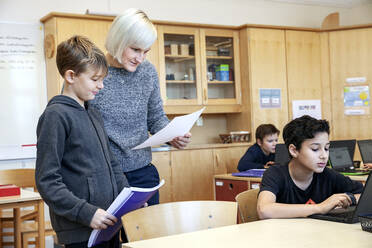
(281,154)
(349,144)
(340,158)
(365,148)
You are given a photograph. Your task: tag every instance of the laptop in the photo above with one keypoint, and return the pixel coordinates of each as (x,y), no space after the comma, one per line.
(365,148)
(350,214)
(281,154)
(340,160)
(349,144)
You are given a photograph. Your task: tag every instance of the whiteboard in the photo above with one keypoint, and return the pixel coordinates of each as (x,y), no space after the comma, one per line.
(22,82)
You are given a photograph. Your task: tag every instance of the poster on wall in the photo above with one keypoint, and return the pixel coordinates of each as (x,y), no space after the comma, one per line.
(356,100)
(306,107)
(23,83)
(270,98)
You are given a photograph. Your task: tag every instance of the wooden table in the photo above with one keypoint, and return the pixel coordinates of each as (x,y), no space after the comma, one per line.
(226,186)
(27,198)
(278,233)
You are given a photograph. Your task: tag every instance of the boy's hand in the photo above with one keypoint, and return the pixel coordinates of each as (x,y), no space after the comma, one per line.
(337,200)
(181,142)
(268,164)
(102,219)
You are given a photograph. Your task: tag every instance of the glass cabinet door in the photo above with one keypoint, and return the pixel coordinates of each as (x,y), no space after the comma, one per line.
(179,65)
(221,74)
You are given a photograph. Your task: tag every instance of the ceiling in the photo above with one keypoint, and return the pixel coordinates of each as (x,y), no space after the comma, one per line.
(331,3)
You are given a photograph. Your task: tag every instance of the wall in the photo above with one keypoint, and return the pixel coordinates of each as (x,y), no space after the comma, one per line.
(234,12)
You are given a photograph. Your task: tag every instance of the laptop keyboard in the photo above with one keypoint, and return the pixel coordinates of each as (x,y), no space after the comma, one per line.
(342,213)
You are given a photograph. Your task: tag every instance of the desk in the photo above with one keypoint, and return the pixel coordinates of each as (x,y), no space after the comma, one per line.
(226,186)
(27,198)
(278,233)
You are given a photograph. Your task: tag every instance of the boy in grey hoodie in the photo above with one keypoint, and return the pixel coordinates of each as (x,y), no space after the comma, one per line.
(76,173)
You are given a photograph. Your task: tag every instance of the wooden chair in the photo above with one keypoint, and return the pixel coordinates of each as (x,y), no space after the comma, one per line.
(24,178)
(178,217)
(247,204)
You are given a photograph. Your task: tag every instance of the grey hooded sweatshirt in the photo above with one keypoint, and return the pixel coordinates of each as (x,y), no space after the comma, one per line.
(75,170)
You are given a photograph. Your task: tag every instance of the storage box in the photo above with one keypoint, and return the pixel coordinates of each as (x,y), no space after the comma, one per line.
(9,190)
(222,72)
(167,50)
(184,50)
(174,49)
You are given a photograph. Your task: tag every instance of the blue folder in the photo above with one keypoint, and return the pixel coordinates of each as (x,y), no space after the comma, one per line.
(250,173)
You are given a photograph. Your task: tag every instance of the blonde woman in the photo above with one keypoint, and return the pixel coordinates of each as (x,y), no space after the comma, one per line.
(130,103)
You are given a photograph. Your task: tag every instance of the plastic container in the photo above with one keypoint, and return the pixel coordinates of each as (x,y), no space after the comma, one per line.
(222,72)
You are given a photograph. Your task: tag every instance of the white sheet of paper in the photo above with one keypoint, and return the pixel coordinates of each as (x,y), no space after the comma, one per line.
(179,126)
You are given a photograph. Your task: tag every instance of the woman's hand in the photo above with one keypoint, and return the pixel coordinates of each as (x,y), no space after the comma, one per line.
(181,142)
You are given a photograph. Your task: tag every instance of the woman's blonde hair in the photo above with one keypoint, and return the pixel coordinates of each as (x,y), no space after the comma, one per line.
(132,28)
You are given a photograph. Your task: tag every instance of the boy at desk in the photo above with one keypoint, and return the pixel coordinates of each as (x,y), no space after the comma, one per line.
(76,174)
(305,186)
(261,155)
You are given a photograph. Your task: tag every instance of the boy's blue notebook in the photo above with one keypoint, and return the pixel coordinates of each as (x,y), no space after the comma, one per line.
(250,173)
(128,200)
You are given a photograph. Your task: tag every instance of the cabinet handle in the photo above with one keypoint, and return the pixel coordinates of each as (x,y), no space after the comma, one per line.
(205,95)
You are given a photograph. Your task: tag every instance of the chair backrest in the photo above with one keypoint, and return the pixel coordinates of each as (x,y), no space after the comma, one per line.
(247,203)
(178,217)
(24,178)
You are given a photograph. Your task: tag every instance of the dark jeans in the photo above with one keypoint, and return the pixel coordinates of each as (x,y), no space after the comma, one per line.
(112,243)
(146,177)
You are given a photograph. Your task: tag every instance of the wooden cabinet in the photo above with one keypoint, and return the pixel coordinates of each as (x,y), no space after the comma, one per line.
(162,162)
(192,175)
(226,159)
(350,51)
(59,27)
(199,67)
(188,174)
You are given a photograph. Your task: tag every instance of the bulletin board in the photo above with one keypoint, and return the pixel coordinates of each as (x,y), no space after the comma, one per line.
(23,82)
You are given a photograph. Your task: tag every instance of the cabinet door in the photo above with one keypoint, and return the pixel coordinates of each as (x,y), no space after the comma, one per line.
(226,159)
(220,66)
(161,160)
(192,174)
(179,65)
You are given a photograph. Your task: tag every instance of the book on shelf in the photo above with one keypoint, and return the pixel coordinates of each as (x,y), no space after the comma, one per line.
(128,200)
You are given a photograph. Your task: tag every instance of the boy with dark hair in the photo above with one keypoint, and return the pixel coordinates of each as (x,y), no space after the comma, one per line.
(261,155)
(305,186)
(76,173)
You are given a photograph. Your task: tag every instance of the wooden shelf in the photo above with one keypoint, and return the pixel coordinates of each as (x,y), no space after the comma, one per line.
(220,82)
(219,57)
(179,58)
(180,81)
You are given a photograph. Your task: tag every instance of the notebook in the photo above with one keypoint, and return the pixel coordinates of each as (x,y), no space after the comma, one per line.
(365,148)
(281,154)
(249,173)
(350,214)
(340,160)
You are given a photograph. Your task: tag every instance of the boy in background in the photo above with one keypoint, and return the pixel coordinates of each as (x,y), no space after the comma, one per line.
(262,153)
(305,186)
(76,173)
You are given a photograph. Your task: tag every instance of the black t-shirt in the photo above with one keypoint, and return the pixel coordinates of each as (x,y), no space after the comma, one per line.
(277,180)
